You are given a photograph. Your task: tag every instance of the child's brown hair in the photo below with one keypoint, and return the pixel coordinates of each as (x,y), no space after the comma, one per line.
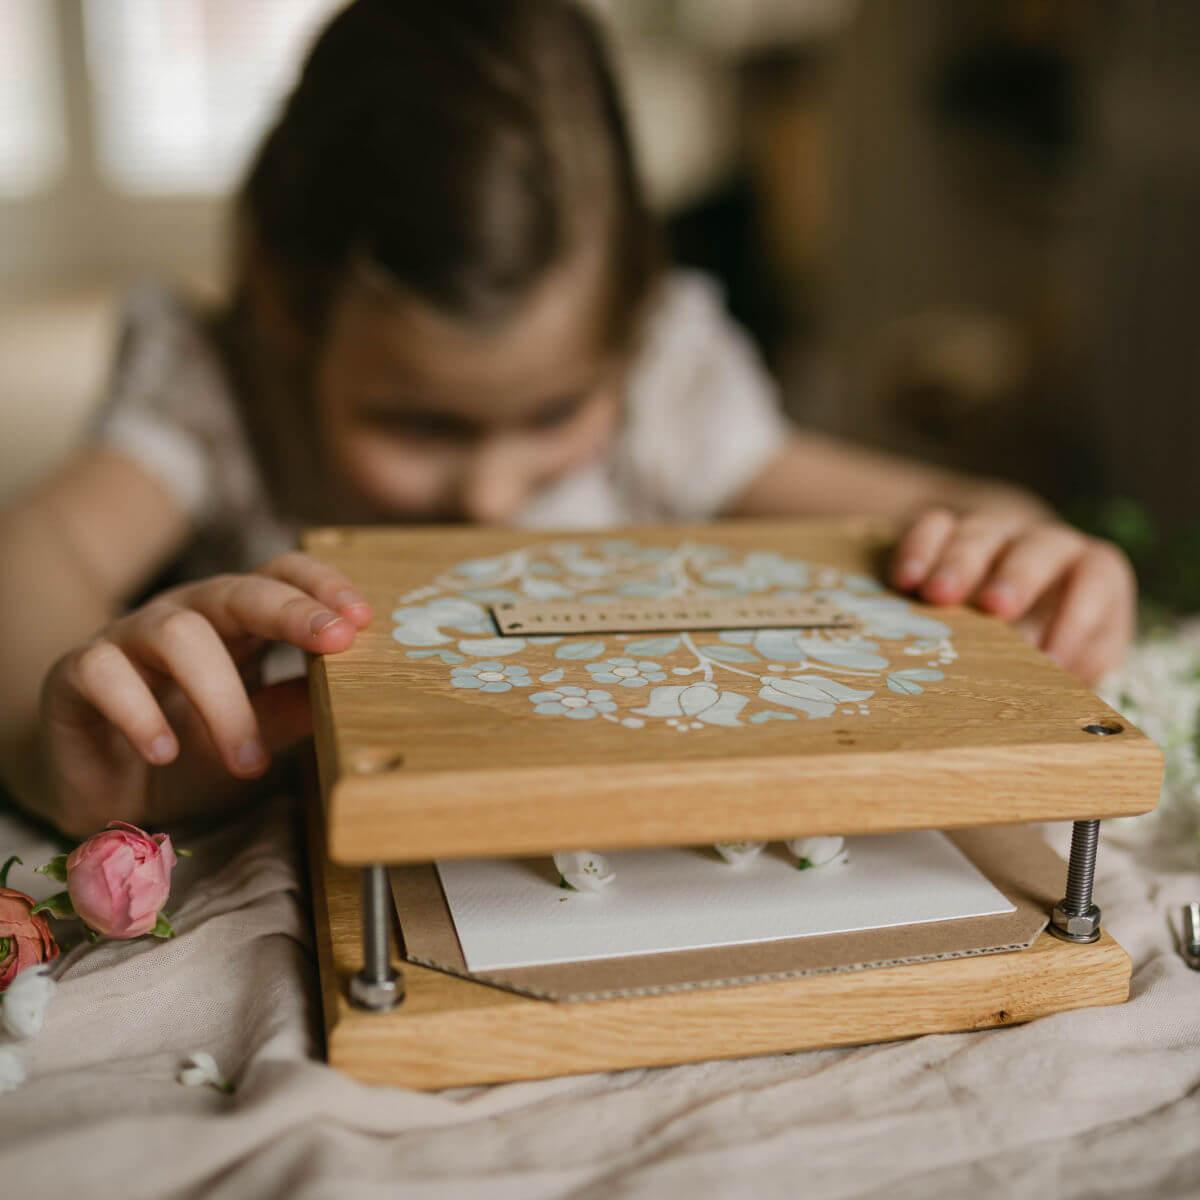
(462,148)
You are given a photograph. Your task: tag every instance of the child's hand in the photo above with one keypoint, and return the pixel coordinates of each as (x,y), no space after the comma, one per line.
(157,716)
(1072,595)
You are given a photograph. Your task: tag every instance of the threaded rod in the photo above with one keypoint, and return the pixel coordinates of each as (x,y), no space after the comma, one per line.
(1081,869)
(376,957)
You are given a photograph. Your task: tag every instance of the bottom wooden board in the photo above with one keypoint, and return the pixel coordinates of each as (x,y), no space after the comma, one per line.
(451,1031)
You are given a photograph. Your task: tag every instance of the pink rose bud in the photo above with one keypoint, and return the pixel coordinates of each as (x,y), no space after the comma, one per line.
(25,937)
(119,880)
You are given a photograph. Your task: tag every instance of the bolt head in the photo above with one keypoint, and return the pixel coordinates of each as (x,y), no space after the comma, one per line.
(1075,927)
(378,995)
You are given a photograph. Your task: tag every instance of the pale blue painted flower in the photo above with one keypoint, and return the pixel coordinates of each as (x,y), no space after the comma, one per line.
(488,676)
(813,694)
(626,672)
(801,645)
(887,617)
(699,702)
(578,703)
(759,572)
(421,624)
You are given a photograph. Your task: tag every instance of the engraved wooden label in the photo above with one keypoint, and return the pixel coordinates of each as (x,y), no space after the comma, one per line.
(531,617)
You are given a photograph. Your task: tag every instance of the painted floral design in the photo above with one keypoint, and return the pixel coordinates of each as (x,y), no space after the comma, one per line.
(686,682)
(626,672)
(491,677)
(580,704)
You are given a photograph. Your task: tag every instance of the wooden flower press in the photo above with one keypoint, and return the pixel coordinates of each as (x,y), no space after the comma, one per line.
(523,693)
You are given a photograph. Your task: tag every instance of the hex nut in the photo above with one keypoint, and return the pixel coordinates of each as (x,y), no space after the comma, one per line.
(378,995)
(1073,927)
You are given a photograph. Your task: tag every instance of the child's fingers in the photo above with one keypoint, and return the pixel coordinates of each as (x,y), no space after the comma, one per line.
(326,583)
(237,605)
(1094,600)
(966,558)
(102,676)
(182,644)
(920,547)
(1030,565)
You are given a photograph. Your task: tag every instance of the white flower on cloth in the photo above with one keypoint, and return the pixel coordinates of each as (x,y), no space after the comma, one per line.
(575,702)
(583,870)
(490,676)
(421,624)
(819,851)
(738,854)
(626,672)
(700,703)
(813,694)
(200,1070)
(12,1070)
(25,1002)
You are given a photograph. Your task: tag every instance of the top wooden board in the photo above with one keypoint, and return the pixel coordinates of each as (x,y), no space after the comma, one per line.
(438,738)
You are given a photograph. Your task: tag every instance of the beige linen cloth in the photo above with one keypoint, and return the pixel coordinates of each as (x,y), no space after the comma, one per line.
(1103,1102)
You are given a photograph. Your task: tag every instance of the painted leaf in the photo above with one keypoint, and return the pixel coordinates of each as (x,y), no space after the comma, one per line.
(770,714)
(646,587)
(813,694)
(449,657)
(545,589)
(486,647)
(664,701)
(725,711)
(552,676)
(906,682)
(579,651)
(730,654)
(491,595)
(654,646)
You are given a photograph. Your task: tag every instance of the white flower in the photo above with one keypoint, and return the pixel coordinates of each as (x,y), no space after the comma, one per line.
(200,1070)
(738,854)
(26,1000)
(12,1070)
(819,851)
(584,871)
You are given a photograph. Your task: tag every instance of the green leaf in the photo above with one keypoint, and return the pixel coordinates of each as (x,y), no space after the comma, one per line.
(5,946)
(5,869)
(56,869)
(58,905)
(579,650)
(803,864)
(179,850)
(162,927)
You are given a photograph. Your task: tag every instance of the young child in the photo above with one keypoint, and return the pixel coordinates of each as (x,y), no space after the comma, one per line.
(449,306)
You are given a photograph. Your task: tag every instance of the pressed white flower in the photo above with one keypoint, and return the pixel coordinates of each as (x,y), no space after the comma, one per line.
(583,870)
(819,851)
(12,1070)
(26,1001)
(737,854)
(200,1070)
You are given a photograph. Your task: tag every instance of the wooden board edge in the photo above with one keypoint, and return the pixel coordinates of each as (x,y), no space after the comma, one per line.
(495,1043)
(482,812)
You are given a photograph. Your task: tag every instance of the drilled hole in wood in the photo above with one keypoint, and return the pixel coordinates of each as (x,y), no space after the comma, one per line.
(1104,728)
(377,762)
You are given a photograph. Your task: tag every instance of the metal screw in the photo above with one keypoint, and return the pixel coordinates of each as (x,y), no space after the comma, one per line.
(1075,918)
(377,986)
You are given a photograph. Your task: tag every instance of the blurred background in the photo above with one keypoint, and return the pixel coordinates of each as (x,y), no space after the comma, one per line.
(963,229)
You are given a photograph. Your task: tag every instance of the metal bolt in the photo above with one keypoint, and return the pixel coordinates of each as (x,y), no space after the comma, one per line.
(1075,918)
(377,986)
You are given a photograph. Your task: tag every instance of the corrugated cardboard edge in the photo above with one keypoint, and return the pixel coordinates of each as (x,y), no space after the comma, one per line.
(1014,858)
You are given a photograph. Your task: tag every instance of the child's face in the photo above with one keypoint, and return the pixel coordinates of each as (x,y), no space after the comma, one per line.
(425,418)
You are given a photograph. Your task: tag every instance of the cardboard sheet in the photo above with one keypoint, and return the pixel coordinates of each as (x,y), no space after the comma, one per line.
(511,913)
(1015,860)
